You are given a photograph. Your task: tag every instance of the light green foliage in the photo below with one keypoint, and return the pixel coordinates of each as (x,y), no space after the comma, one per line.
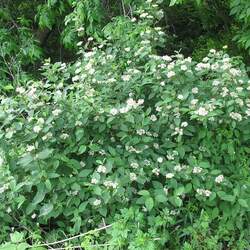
(240,10)
(157,146)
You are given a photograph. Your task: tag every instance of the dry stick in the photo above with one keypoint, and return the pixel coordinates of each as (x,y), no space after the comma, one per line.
(74,247)
(71,238)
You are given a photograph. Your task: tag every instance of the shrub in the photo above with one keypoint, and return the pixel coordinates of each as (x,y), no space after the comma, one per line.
(164,136)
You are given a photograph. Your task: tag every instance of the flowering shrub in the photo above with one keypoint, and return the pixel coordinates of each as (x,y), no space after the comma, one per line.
(164,136)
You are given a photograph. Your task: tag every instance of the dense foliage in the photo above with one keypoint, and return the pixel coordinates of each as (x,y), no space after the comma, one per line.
(119,140)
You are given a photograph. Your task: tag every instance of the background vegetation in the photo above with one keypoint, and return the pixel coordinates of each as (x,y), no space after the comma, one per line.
(124,124)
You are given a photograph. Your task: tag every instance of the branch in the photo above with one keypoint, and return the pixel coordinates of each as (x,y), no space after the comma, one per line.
(72,238)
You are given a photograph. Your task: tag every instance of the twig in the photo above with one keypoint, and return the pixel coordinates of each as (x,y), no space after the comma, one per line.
(74,247)
(123,8)
(73,237)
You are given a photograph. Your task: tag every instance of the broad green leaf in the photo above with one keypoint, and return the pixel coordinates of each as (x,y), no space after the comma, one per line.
(46,209)
(149,203)
(243,203)
(44,154)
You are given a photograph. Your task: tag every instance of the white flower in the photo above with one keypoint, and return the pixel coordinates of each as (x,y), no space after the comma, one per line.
(204,192)
(56,112)
(153,118)
(101,169)
(64,136)
(75,78)
(207,193)
(197,170)
(169,175)
(140,131)
(133,176)
(170,74)
(235,116)
(194,102)
(178,131)
(124,110)
(97,202)
(140,101)
(156,171)
(160,159)
(216,83)
(156,145)
(134,165)
(127,49)
(219,179)
(40,121)
(180,97)
(167,58)
(79,43)
(184,124)
(30,148)
(94,181)
(178,168)
(162,84)
(201,111)
(126,78)
(131,102)
(47,136)
(158,109)
(20,90)
(78,123)
(234,72)
(114,111)
(195,90)
(33,216)
(37,129)
(110,184)
(183,67)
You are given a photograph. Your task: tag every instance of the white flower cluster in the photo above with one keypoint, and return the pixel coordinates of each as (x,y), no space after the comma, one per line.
(156,171)
(169,175)
(110,184)
(236,116)
(203,192)
(134,165)
(197,170)
(97,202)
(132,176)
(101,169)
(130,104)
(219,179)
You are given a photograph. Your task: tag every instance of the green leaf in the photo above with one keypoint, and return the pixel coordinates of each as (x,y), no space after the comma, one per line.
(44,154)
(149,203)
(85,172)
(179,191)
(161,198)
(16,237)
(79,134)
(82,149)
(46,209)
(243,203)
(144,193)
(41,192)
(8,246)
(26,160)
(226,197)
(176,201)
(173,2)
